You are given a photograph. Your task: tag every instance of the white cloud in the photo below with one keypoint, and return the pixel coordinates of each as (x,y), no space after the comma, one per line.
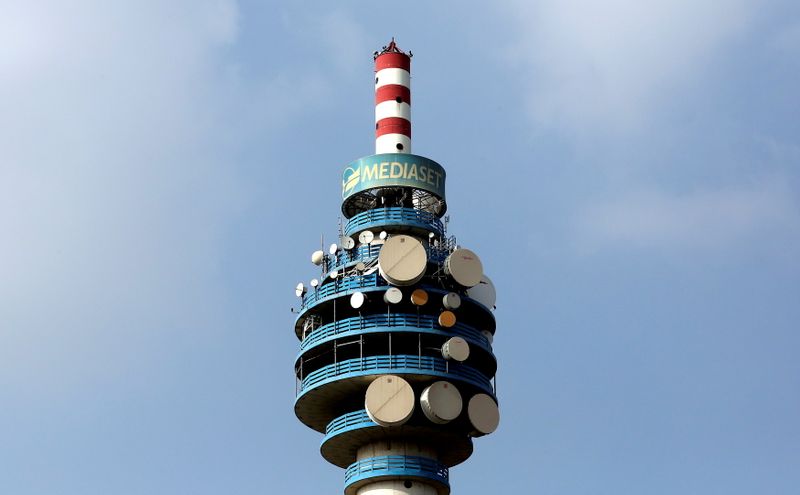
(716,219)
(116,179)
(607,65)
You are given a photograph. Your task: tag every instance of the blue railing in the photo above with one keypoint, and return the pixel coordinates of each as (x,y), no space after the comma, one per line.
(347,421)
(415,322)
(381,217)
(397,465)
(340,285)
(402,364)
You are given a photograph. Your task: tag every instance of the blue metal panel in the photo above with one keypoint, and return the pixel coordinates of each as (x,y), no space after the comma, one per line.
(392,170)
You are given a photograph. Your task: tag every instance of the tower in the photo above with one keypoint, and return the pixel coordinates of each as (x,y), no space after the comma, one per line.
(396,367)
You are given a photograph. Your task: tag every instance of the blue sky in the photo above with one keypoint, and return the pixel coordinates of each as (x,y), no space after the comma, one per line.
(628,173)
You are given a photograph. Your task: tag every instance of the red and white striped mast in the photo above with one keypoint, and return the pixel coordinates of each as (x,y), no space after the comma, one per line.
(392,100)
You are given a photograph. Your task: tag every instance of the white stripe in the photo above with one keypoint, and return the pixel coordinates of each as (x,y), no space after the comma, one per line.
(391,108)
(392,76)
(388,143)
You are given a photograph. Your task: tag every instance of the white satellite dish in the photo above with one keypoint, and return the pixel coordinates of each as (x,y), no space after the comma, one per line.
(464,266)
(389,401)
(402,260)
(383,235)
(451,300)
(300,290)
(456,349)
(483,414)
(334,274)
(357,300)
(366,237)
(484,292)
(360,266)
(441,402)
(489,336)
(347,242)
(314,283)
(393,295)
(333,248)
(317,257)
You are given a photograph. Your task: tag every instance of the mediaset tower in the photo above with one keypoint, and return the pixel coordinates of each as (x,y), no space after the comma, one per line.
(396,367)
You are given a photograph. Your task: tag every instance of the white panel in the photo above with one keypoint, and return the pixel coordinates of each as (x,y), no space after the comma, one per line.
(391,108)
(392,76)
(396,487)
(388,143)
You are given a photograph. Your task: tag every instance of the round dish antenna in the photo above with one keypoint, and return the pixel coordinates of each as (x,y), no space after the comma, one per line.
(300,290)
(393,295)
(451,300)
(484,292)
(402,260)
(317,257)
(347,242)
(389,401)
(447,319)
(333,248)
(314,283)
(383,235)
(441,402)
(419,297)
(483,414)
(456,349)
(464,266)
(357,300)
(366,237)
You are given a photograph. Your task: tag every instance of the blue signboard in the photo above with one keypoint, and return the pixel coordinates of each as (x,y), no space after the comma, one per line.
(393,169)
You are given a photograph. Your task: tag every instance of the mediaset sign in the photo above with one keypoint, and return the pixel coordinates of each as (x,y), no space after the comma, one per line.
(393,169)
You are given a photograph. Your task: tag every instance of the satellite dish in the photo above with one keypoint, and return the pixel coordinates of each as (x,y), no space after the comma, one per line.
(383,235)
(334,274)
(300,290)
(419,297)
(484,292)
(393,295)
(360,266)
(366,237)
(451,300)
(441,402)
(317,257)
(314,283)
(483,414)
(464,266)
(402,260)
(489,336)
(456,349)
(389,401)
(333,248)
(357,300)
(447,319)
(347,242)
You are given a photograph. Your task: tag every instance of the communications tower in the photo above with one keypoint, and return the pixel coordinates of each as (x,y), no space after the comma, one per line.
(396,367)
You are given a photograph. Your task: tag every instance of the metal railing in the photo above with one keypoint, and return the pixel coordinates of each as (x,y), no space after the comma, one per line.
(389,320)
(347,421)
(397,465)
(394,216)
(344,284)
(396,364)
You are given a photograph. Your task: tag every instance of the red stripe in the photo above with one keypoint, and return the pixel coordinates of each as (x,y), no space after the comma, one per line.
(393,125)
(393,61)
(392,92)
